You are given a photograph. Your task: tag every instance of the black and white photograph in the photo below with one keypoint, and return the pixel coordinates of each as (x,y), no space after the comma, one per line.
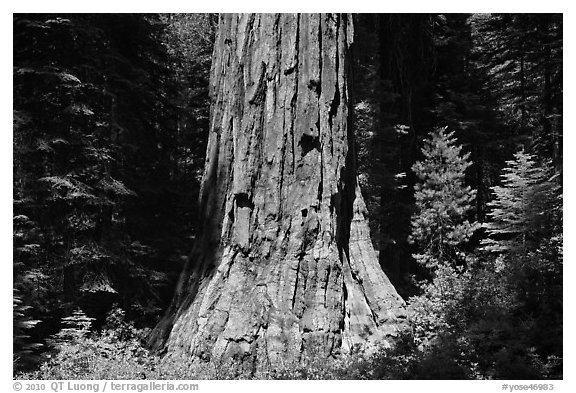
(287,196)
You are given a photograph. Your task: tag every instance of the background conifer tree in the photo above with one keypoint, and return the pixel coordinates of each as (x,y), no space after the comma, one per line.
(440,224)
(523,209)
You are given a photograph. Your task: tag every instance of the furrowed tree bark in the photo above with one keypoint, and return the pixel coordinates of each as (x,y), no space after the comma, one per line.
(284,266)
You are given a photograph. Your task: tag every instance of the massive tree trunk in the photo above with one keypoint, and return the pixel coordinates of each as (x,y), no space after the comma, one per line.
(284,266)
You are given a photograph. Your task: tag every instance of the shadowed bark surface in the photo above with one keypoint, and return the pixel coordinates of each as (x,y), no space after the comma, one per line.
(284,265)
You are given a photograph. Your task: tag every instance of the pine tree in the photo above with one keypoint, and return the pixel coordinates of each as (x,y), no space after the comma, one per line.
(440,225)
(525,243)
(526,209)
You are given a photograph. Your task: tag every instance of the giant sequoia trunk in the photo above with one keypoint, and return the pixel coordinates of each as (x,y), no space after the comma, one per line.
(284,265)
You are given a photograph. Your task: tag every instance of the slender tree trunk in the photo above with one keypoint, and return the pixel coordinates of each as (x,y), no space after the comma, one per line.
(284,265)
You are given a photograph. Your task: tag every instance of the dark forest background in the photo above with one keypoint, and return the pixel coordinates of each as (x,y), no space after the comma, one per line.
(455,115)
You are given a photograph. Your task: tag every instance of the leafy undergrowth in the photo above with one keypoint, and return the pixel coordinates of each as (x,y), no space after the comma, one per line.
(117,352)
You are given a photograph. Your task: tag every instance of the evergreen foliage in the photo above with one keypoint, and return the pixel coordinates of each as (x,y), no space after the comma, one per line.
(506,301)
(439,225)
(525,209)
(23,347)
(525,240)
(104,188)
(521,55)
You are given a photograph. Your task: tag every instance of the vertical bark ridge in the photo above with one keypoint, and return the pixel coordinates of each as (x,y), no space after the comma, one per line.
(284,265)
